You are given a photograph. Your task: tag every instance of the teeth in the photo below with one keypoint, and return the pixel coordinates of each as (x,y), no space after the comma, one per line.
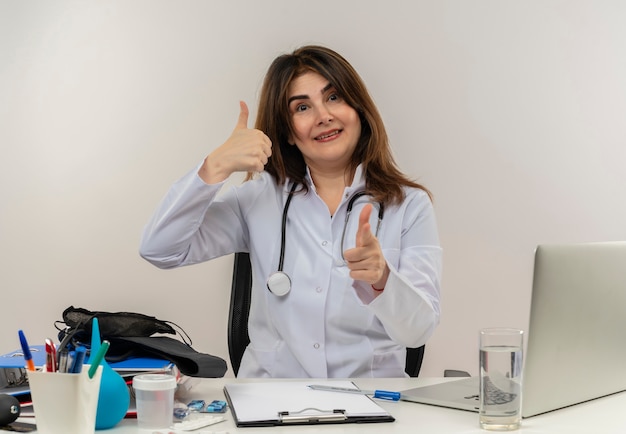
(334,133)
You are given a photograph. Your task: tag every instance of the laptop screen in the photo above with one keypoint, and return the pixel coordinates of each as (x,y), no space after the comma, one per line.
(577,334)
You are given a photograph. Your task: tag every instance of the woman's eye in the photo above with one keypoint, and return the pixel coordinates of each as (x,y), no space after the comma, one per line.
(301,107)
(334,97)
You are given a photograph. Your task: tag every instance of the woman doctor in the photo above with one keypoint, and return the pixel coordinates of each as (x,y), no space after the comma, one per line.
(331,297)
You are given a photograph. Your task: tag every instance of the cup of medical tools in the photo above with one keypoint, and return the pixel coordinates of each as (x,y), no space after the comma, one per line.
(65,403)
(154,396)
(501,378)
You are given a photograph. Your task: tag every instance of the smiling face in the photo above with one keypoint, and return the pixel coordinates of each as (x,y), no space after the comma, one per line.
(325,128)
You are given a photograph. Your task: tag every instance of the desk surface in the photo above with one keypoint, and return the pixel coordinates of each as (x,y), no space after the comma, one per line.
(601,415)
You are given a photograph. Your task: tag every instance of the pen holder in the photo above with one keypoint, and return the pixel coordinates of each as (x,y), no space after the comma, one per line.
(65,403)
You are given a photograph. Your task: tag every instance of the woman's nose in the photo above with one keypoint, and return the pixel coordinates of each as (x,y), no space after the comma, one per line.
(325,116)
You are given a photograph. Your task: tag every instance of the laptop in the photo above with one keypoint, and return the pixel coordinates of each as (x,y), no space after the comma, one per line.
(576,340)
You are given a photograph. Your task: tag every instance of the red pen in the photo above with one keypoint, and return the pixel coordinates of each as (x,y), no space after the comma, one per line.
(51,356)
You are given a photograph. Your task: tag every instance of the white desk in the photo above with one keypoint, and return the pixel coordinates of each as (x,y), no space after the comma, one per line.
(604,415)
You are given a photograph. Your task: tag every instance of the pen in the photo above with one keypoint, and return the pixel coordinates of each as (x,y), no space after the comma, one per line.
(97,359)
(79,357)
(28,357)
(64,358)
(381,394)
(51,356)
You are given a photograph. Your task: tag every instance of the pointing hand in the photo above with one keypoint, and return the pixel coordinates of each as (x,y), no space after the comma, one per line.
(366,261)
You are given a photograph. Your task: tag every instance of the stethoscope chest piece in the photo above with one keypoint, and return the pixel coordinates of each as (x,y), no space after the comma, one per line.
(279,283)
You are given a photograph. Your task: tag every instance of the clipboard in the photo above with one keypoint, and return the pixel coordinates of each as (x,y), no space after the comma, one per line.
(275,403)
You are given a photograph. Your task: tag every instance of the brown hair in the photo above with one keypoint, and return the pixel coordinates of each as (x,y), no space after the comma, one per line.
(384,180)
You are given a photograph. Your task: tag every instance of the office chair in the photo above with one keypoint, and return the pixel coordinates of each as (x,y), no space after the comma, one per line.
(240,296)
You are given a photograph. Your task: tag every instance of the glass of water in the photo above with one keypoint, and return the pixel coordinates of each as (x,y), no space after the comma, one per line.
(501,378)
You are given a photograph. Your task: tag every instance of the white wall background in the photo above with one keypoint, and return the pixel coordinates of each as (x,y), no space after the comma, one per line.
(513,113)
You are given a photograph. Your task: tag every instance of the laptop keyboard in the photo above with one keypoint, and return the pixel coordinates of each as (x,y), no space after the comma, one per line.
(496,396)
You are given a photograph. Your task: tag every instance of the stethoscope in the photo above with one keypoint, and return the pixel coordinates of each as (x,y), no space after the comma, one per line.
(279,282)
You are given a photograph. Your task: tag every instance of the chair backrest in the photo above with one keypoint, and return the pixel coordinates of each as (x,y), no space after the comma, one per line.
(240,296)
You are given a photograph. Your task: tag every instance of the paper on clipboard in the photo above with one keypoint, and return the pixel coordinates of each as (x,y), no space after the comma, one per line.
(283,402)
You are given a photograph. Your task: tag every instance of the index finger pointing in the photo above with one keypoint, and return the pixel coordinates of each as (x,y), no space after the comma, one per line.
(364,230)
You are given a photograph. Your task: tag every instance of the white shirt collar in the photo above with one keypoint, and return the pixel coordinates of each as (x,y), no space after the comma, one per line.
(358,182)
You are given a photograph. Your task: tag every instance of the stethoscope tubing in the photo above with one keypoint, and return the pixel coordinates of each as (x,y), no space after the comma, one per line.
(279,283)
(283,234)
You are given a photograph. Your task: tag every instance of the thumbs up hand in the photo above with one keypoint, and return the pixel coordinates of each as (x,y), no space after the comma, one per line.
(366,261)
(246,150)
